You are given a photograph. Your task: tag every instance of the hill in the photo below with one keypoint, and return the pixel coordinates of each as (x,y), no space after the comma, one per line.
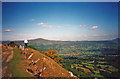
(70,47)
(116,40)
(19,62)
(83,58)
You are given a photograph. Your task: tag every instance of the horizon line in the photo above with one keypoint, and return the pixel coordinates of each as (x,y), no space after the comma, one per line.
(59,40)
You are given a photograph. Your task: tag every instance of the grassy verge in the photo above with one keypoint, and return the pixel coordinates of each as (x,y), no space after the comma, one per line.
(15,64)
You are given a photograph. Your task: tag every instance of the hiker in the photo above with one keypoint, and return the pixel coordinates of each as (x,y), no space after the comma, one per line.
(25,42)
(25,51)
(15,46)
(20,47)
(23,48)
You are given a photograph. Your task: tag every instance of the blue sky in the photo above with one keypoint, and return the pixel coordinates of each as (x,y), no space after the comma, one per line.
(60,0)
(60,21)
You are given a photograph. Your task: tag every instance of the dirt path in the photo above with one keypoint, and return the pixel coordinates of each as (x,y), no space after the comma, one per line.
(10,57)
(4,70)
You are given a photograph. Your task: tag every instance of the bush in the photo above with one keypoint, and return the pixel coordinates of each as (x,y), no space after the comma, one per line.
(52,54)
(31,46)
(12,43)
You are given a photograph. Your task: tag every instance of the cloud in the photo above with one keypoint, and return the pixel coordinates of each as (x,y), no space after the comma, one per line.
(32,19)
(8,30)
(20,36)
(45,25)
(94,27)
(82,26)
(40,24)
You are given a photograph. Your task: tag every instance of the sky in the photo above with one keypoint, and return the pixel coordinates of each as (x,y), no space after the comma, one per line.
(60,0)
(65,21)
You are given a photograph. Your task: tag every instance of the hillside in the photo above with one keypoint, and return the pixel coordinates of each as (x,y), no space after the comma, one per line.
(15,63)
(82,58)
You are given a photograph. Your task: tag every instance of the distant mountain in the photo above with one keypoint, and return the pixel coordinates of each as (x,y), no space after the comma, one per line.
(38,39)
(116,40)
(41,41)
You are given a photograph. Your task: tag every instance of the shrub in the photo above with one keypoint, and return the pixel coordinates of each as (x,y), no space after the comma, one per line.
(31,46)
(12,43)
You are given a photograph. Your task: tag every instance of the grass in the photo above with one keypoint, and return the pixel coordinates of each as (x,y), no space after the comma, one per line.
(14,66)
(52,68)
(18,64)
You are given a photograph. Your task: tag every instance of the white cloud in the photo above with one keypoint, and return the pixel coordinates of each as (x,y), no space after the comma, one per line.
(7,30)
(40,24)
(45,25)
(94,27)
(82,26)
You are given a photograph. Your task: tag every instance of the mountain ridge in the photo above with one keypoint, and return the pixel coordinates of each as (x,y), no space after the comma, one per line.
(42,39)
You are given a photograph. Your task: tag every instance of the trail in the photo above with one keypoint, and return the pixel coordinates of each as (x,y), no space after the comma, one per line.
(4,70)
(10,57)
(7,57)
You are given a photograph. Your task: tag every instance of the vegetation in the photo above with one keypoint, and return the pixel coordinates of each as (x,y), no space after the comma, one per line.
(15,66)
(52,54)
(31,46)
(12,43)
(45,61)
(83,58)
(84,67)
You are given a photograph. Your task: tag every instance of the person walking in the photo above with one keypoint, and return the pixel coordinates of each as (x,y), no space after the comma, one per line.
(25,42)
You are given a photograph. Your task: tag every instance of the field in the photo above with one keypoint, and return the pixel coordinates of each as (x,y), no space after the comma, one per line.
(90,66)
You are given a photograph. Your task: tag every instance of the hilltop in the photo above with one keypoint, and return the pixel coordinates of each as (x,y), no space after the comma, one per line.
(19,62)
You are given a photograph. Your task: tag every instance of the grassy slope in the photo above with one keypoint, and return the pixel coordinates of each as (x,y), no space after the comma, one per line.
(52,68)
(18,65)
(14,67)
